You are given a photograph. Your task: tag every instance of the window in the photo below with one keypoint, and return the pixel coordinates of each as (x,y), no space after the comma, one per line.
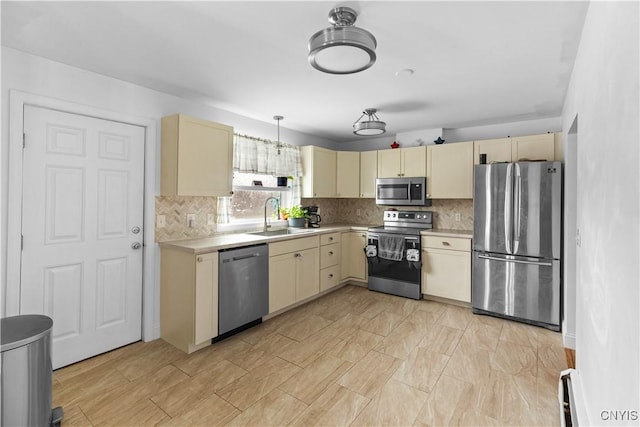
(247,202)
(258,160)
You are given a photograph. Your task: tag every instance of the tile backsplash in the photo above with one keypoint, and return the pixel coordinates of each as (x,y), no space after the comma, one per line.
(366,212)
(332,211)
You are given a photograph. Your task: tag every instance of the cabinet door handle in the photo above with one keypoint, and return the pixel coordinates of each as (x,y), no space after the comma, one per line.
(199,259)
(330,252)
(446,244)
(330,276)
(331,239)
(298,255)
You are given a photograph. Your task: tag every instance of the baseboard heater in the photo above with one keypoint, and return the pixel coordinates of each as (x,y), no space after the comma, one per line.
(566,399)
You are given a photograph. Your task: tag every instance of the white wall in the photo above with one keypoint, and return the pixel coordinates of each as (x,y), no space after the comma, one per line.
(604,95)
(503,130)
(40,76)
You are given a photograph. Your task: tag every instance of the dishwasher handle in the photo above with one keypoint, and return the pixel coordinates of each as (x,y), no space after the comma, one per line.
(241,257)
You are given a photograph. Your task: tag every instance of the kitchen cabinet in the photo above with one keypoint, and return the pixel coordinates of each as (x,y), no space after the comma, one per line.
(319,172)
(293,271)
(188,299)
(368,174)
(348,174)
(446,267)
(409,162)
(533,147)
(497,150)
(329,260)
(450,171)
(197,157)
(354,261)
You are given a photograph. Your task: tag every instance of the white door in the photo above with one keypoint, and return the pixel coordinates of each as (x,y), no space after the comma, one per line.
(82,214)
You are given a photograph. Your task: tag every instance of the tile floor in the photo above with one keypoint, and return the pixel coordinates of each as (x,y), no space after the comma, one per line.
(352,357)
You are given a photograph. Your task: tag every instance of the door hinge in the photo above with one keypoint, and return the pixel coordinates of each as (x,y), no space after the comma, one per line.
(24,140)
(21,242)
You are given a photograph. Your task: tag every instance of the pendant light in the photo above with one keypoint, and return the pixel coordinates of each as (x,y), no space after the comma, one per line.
(278,118)
(342,48)
(371,125)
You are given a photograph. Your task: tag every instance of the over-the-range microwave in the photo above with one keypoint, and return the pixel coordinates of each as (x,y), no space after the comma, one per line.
(402,191)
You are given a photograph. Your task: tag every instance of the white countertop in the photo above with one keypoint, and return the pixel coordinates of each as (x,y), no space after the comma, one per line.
(443,232)
(226,241)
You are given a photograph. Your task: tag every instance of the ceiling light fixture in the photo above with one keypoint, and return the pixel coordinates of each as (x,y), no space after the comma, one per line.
(343,48)
(278,118)
(371,126)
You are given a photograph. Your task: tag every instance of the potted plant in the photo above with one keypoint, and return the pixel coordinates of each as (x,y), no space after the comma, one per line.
(296,216)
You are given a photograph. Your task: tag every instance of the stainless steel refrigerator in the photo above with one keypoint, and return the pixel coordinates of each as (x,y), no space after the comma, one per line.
(517,226)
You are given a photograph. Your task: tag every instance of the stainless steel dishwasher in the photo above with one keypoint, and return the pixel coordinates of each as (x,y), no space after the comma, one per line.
(243,280)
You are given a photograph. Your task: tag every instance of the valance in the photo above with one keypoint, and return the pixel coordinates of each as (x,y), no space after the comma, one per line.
(255,155)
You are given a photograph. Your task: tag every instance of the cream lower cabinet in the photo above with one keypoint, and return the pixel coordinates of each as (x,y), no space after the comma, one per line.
(330,250)
(354,261)
(450,171)
(188,299)
(446,267)
(293,271)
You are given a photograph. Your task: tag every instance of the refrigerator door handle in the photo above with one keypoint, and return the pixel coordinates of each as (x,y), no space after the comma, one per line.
(517,214)
(516,261)
(508,207)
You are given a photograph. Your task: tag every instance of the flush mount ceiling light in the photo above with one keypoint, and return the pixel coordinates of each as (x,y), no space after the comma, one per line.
(343,48)
(371,125)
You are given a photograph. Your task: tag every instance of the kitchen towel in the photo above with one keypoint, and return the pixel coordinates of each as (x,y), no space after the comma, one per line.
(371,251)
(391,247)
(413,255)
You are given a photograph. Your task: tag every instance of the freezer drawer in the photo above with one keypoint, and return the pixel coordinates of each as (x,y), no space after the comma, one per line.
(522,288)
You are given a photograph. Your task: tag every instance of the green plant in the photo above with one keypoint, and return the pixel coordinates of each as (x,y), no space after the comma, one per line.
(296,212)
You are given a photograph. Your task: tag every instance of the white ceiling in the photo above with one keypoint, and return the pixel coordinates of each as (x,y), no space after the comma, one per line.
(475,63)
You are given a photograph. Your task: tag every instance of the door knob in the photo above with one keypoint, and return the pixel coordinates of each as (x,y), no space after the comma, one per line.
(135,230)
(136,245)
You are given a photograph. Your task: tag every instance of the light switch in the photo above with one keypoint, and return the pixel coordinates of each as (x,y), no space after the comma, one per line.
(191,220)
(211,220)
(161,221)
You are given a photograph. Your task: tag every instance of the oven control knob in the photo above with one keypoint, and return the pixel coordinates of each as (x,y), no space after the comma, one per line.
(418,216)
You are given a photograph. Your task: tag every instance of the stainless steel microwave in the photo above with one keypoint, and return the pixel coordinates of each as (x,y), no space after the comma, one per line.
(402,191)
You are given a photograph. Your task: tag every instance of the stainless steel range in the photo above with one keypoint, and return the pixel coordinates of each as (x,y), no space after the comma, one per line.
(393,253)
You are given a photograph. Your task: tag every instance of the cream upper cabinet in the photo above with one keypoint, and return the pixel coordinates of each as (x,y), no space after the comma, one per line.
(348,174)
(197,157)
(188,299)
(446,267)
(354,261)
(319,172)
(450,171)
(389,163)
(409,162)
(414,161)
(294,267)
(368,174)
(533,147)
(557,143)
(497,150)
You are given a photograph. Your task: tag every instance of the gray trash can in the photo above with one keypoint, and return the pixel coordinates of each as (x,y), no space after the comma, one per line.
(26,371)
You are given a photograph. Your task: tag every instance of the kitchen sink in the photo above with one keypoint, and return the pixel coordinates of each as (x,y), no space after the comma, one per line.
(281,232)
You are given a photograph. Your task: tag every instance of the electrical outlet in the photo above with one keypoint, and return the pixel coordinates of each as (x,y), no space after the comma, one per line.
(211,220)
(358,212)
(457,216)
(161,221)
(191,220)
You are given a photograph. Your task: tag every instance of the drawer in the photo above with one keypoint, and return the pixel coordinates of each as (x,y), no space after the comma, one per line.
(326,239)
(329,255)
(451,243)
(293,245)
(329,277)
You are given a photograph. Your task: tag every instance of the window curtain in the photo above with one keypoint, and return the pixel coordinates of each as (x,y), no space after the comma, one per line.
(261,156)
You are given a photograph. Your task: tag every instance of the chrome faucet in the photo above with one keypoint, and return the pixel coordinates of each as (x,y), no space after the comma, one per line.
(266,202)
